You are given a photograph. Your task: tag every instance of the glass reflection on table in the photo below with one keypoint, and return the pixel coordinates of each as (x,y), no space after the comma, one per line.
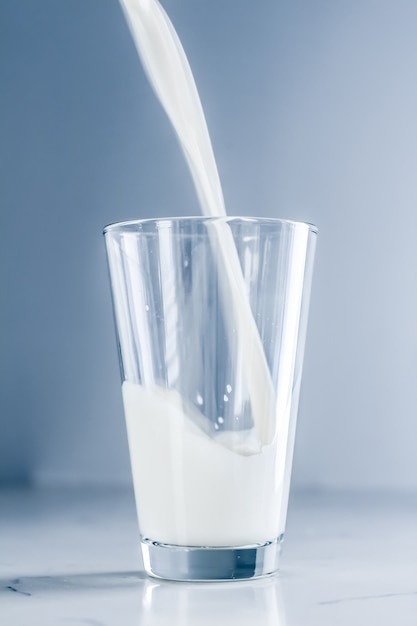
(233,603)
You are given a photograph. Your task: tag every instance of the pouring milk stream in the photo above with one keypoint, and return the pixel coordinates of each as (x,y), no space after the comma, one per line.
(169,73)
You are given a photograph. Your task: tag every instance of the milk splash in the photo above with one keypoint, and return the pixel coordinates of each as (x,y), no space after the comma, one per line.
(169,73)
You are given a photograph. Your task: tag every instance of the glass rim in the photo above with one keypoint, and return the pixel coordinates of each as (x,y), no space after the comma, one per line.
(120,226)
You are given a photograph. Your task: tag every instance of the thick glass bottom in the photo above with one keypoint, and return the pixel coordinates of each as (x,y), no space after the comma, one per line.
(173,562)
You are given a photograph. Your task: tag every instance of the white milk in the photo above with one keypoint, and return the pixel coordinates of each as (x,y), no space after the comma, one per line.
(193,488)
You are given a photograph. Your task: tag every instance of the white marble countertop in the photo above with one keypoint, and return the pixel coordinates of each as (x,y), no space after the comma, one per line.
(71,557)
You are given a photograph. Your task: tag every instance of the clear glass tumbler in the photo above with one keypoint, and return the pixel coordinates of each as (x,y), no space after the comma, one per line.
(211,318)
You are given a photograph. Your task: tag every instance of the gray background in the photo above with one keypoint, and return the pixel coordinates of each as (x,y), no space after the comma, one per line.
(312,110)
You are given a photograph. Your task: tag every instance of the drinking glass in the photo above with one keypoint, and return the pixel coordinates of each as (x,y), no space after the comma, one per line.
(211,317)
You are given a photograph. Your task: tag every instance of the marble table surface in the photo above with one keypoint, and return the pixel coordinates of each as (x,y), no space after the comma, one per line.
(70,557)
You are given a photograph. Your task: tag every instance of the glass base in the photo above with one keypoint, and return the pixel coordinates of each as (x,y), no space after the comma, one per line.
(204,563)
